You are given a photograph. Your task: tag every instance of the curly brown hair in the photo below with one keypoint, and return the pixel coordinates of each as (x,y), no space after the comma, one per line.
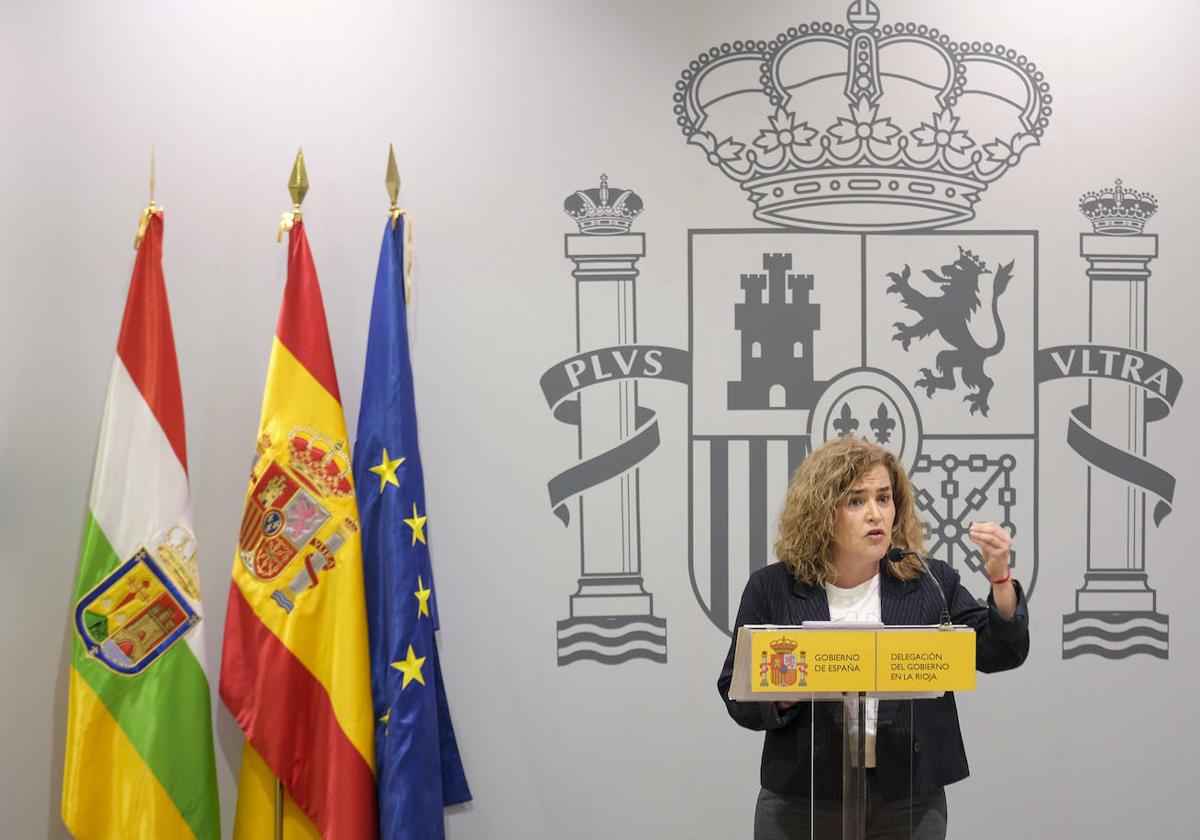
(819,487)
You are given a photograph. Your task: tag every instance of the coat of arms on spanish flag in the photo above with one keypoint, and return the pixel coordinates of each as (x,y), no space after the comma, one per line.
(295,670)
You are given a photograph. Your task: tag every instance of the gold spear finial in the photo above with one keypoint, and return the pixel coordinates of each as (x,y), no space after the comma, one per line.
(298,182)
(151,209)
(392,181)
(298,187)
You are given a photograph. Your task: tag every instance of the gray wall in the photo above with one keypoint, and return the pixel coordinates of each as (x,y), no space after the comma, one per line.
(499,111)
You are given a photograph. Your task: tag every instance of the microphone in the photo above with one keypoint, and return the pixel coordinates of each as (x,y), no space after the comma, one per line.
(895,555)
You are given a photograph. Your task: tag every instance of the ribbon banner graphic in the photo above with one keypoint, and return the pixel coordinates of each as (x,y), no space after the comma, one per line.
(1161,383)
(561,385)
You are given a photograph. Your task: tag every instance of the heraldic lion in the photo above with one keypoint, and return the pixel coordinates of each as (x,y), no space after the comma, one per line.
(949,314)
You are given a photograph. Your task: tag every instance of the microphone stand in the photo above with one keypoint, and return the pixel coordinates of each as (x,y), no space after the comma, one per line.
(895,555)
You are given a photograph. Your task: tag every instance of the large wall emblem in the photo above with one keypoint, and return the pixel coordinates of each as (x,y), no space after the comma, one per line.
(853,311)
(855,315)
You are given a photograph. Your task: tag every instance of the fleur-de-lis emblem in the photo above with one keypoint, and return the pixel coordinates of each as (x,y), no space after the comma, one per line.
(883,424)
(845,424)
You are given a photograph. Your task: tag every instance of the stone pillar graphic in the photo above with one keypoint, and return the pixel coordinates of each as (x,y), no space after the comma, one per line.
(1116,611)
(611,615)
(1118,271)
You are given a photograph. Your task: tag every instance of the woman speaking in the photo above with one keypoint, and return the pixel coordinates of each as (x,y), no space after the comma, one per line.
(848,505)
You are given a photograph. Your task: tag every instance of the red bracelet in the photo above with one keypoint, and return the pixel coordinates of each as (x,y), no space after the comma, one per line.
(1006,580)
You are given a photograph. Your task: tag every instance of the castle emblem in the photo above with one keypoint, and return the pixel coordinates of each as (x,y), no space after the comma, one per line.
(777,338)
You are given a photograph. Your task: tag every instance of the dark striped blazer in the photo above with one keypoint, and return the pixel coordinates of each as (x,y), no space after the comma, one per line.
(918,744)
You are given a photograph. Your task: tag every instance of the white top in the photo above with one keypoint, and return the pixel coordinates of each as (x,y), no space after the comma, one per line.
(860,604)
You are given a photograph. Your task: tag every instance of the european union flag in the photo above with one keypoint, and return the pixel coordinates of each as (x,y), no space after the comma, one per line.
(418,766)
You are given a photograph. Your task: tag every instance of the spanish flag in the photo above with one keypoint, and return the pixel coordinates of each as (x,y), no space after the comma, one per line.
(139,760)
(295,668)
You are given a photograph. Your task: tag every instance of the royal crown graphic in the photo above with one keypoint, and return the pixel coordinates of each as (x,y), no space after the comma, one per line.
(321,462)
(826,118)
(1116,211)
(597,212)
(784,645)
(177,553)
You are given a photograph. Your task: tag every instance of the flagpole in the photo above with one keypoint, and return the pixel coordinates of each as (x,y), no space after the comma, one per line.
(297,188)
(151,209)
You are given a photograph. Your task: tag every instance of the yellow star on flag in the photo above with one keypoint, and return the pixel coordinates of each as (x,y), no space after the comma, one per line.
(411,668)
(422,598)
(417,523)
(386,716)
(386,470)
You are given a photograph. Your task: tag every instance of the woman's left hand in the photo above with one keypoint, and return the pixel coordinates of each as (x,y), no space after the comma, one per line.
(994,544)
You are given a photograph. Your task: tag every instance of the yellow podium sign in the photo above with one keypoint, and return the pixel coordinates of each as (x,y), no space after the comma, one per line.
(793,661)
(924,660)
